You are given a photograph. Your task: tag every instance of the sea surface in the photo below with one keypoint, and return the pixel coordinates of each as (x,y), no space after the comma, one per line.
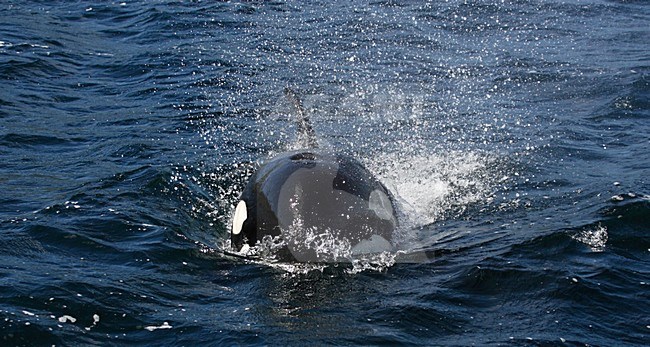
(514,134)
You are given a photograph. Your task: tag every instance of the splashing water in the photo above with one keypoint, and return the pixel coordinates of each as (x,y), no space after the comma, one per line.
(430,187)
(430,163)
(595,238)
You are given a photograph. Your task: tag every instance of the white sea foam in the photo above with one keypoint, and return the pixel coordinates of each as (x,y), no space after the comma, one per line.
(66,318)
(165,325)
(596,238)
(429,186)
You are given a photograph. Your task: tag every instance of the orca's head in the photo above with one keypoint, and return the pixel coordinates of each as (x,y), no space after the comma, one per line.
(312,200)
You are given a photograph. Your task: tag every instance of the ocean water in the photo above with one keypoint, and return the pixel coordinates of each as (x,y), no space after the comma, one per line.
(515,135)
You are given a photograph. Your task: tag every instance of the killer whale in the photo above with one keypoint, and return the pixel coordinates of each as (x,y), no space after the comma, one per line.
(314,201)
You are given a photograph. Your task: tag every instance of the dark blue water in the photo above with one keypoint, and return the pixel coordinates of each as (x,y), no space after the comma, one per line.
(515,134)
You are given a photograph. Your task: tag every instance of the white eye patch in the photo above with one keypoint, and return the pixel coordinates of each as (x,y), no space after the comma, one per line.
(239,217)
(379,203)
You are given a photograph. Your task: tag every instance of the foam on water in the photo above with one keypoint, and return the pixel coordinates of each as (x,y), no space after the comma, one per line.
(430,186)
(594,237)
(335,253)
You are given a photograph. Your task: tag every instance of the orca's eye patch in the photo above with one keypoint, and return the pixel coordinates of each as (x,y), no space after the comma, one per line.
(303,156)
(239,217)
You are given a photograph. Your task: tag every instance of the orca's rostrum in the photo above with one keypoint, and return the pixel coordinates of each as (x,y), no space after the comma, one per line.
(318,205)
